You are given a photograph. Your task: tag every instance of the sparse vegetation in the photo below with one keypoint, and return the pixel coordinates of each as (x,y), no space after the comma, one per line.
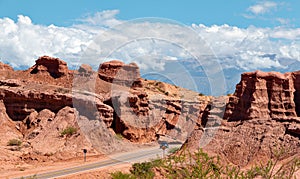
(201,165)
(119,136)
(69,131)
(143,170)
(160,90)
(31,177)
(49,154)
(62,90)
(157,83)
(200,94)
(120,175)
(14,142)
(173,150)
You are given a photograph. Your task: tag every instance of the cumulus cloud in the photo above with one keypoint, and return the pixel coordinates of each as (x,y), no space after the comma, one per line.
(263,7)
(150,43)
(22,42)
(248,46)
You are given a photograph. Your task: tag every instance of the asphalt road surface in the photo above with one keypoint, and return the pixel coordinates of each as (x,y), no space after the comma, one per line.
(129,157)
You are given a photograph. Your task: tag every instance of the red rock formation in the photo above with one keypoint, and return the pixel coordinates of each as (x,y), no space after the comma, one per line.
(260,118)
(21,101)
(142,119)
(8,127)
(5,71)
(265,95)
(85,69)
(121,74)
(5,67)
(54,66)
(43,130)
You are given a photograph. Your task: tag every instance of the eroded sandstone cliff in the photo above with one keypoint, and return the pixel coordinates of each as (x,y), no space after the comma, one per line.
(260,118)
(37,105)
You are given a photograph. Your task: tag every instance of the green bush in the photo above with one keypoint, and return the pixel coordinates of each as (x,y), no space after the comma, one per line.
(14,142)
(119,136)
(173,150)
(69,131)
(120,175)
(142,170)
(201,165)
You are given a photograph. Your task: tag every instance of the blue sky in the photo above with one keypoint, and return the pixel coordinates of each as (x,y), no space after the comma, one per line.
(241,13)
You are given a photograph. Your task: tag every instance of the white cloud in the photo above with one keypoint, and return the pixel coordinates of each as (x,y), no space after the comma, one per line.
(283,21)
(246,48)
(22,42)
(103,19)
(263,7)
(285,33)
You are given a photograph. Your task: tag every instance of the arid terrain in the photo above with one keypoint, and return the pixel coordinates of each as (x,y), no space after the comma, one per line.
(50,113)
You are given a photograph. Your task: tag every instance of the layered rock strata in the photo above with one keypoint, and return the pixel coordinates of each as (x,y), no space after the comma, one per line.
(117,72)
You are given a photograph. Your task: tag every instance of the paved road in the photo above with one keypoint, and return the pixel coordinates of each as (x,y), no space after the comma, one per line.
(136,156)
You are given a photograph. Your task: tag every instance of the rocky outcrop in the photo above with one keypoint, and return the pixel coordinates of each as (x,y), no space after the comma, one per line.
(5,67)
(117,72)
(6,71)
(260,118)
(38,104)
(142,118)
(54,66)
(245,143)
(265,95)
(8,127)
(85,70)
(44,132)
(21,101)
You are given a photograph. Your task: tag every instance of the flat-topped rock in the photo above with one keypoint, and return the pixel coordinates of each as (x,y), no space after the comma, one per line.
(54,66)
(119,73)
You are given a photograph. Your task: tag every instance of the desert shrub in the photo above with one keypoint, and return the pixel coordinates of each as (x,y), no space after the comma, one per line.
(62,90)
(173,150)
(119,136)
(69,131)
(120,175)
(14,142)
(49,154)
(273,170)
(31,177)
(143,170)
(201,165)
(160,90)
